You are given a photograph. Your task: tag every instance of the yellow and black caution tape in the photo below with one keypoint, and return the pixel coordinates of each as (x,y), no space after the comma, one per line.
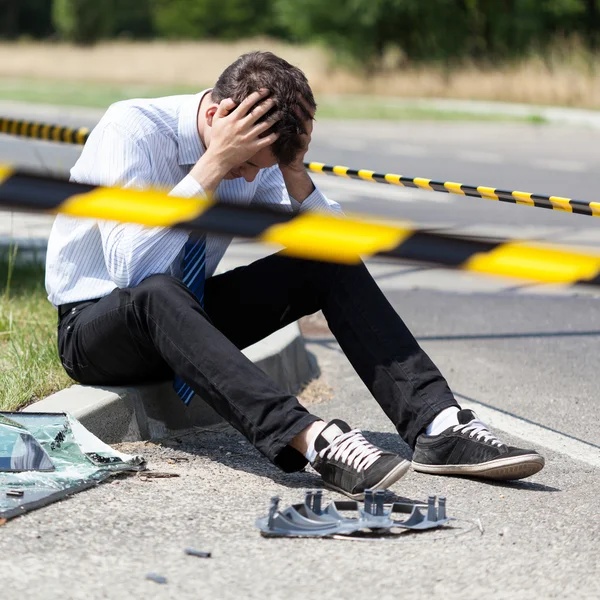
(308,235)
(44,131)
(581,207)
(79,136)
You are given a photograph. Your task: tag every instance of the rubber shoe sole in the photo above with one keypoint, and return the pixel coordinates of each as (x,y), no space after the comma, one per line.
(394,475)
(501,469)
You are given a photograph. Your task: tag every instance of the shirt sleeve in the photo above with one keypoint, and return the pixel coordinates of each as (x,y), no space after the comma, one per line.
(271,190)
(132,252)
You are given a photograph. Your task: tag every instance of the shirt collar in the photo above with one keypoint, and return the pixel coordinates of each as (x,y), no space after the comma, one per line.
(191,147)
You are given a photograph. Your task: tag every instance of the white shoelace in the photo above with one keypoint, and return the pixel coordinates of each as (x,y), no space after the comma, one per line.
(353,449)
(478,429)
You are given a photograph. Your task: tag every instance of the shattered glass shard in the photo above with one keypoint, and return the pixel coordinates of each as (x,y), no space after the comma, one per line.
(19,450)
(47,456)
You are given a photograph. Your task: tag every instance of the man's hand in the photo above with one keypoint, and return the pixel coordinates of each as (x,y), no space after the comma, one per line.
(235,137)
(297,181)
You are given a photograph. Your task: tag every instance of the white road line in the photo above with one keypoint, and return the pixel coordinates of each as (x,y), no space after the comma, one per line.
(551,164)
(481,157)
(533,434)
(342,143)
(406,150)
(386,269)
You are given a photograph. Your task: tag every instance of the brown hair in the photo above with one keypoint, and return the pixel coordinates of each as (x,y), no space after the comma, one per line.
(256,70)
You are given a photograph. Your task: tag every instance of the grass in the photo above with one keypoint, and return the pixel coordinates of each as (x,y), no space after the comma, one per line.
(566,75)
(79,93)
(378,107)
(101,95)
(29,365)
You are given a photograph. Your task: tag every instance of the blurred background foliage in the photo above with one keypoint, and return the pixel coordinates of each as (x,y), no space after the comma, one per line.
(372,33)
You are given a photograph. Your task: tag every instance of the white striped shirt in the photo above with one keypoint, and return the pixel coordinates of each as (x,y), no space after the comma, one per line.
(138,144)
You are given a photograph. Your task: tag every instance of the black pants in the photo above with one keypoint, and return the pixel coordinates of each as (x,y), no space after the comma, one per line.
(147,333)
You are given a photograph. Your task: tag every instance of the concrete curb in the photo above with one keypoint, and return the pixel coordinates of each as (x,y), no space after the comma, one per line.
(560,115)
(126,414)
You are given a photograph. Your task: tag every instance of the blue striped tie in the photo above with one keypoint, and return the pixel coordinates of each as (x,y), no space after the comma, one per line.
(194,275)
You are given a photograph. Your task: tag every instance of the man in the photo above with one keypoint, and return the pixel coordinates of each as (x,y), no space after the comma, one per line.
(138,304)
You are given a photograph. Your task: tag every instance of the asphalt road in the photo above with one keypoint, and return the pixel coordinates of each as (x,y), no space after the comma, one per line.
(525,357)
(522,540)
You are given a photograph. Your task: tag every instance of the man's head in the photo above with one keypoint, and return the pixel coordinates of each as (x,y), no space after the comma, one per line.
(257,70)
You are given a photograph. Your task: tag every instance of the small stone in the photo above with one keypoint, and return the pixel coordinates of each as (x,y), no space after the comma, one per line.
(198,553)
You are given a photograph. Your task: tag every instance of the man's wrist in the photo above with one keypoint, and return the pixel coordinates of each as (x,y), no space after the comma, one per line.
(298,183)
(209,172)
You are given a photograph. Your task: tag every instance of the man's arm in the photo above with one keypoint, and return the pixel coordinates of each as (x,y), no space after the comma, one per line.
(235,137)
(297,181)
(114,157)
(132,252)
(291,183)
(273,190)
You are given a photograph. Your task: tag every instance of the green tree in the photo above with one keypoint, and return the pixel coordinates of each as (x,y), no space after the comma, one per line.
(9,9)
(25,17)
(224,19)
(364,29)
(84,21)
(592,17)
(438,30)
(133,18)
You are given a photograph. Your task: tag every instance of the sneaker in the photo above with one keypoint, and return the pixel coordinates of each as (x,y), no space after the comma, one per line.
(349,464)
(471,449)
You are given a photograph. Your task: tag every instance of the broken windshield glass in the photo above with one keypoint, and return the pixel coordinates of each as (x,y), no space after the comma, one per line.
(19,450)
(47,456)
